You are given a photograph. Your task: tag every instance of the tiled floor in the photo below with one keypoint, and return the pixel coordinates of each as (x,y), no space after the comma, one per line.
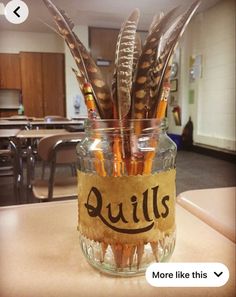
(194,171)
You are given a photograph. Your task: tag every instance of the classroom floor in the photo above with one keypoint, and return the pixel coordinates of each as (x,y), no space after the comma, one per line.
(197,171)
(194,171)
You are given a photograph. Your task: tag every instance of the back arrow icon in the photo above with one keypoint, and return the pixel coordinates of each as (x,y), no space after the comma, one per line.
(15,11)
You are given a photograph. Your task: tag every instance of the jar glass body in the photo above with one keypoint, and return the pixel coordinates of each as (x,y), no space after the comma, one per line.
(126,199)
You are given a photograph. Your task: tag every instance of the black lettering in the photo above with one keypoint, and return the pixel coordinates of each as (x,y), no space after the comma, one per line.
(119,216)
(145,206)
(135,204)
(94,211)
(155,205)
(163,201)
(155,275)
(127,231)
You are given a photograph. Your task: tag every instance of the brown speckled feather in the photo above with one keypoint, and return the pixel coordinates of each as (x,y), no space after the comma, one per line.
(67,19)
(156,19)
(65,31)
(102,91)
(141,86)
(162,66)
(79,78)
(122,81)
(86,65)
(137,53)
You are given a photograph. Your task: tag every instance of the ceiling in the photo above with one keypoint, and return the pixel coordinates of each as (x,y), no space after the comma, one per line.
(97,13)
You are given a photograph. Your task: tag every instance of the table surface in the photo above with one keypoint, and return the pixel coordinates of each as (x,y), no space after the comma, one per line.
(8,133)
(4,123)
(7,122)
(56,123)
(18,118)
(40,133)
(40,256)
(216,207)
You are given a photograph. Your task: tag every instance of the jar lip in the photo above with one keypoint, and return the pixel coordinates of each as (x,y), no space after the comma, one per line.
(153,120)
(127,125)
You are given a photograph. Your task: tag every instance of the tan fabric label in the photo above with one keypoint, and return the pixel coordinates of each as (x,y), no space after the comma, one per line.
(127,209)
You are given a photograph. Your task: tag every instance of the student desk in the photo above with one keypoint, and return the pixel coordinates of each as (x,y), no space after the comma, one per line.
(41,256)
(216,207)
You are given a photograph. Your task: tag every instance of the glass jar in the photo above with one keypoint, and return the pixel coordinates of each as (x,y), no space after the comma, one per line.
(126,201)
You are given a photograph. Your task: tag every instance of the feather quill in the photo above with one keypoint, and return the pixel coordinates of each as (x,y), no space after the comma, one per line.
(137,53)
(141,86)
(156,19)
(161,71)
(122,81)
(64,29)
(50,27)
(86,65)
(79,78)
(97,81)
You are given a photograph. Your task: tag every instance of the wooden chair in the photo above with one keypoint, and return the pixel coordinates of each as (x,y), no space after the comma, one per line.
(55,150)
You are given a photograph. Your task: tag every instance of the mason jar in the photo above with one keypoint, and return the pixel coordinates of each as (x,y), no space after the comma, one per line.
(126,195)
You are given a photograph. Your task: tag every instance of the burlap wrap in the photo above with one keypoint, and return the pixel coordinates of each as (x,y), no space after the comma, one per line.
(138,212)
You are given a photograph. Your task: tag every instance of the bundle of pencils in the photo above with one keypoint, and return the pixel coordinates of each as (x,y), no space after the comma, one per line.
(140,89)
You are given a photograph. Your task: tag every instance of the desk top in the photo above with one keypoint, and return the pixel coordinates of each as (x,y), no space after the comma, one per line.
(40,133)
(8,133)
(216,207)
(4,123)
(55,123)
(41,256)
(18,118)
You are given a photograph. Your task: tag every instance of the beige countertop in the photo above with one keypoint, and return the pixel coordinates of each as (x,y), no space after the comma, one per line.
(216,207)
(40,256)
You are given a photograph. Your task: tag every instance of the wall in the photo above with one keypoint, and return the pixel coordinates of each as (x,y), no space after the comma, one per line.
(212,35)
(72,86)
(16,41)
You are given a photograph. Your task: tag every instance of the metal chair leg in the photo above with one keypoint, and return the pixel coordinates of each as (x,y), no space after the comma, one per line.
(17,171)
(43,170)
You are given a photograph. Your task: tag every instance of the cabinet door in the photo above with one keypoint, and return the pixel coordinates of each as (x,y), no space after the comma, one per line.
(53,77)
(10,71)
(32,89)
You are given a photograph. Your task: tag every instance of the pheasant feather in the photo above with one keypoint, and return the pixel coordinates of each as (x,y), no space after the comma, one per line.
(79,78)
(162,65)
(137,53)
(141,86)
(156,19)
(122,81)
(86,65)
